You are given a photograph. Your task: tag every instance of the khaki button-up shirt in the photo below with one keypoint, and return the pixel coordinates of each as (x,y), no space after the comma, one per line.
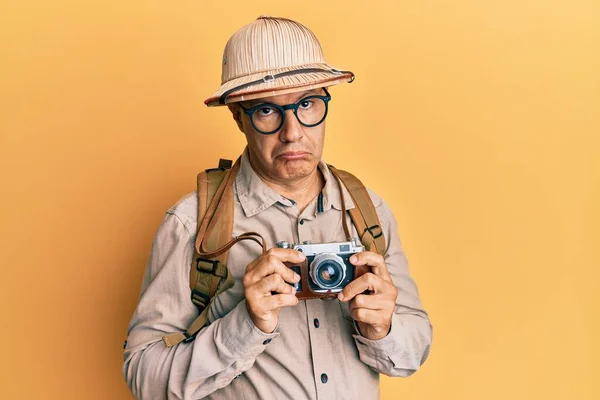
(316,352)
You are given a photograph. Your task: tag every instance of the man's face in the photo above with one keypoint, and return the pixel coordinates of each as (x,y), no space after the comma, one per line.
(291,153)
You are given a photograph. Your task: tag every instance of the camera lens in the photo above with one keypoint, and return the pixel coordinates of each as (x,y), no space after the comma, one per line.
(327,270)
(328,273)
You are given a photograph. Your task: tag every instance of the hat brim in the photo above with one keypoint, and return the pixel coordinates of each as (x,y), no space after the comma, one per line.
(281,85)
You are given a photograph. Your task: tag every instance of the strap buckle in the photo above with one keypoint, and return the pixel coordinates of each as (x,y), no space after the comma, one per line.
(371,230)
(189,338)
(268,78)
(200,299)
(211,267)
(207,265)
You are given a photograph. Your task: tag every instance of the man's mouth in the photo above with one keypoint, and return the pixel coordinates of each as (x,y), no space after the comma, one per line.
(293,155)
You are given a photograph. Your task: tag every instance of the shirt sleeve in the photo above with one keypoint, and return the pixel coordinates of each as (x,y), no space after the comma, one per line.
(221,351)
(407,345)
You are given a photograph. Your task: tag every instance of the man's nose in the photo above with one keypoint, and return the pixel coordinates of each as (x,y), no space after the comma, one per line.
(292,129)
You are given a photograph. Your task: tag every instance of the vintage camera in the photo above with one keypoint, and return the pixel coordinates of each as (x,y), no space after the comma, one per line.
(326,270)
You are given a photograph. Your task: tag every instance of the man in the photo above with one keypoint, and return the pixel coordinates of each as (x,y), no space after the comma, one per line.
(261,342)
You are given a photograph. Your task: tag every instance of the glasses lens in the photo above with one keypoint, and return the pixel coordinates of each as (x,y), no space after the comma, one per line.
(311,111)
(267,119)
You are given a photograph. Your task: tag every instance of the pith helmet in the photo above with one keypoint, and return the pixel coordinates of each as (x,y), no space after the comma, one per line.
(273,56)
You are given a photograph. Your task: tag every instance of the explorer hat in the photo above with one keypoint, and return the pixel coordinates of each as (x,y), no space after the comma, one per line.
(273,56)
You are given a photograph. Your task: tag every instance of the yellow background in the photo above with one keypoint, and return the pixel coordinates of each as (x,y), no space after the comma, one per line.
(478,122)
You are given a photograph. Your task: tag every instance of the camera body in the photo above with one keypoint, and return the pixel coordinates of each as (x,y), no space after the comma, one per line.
(327,268)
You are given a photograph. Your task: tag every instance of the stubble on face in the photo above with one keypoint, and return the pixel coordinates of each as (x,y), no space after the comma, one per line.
(298,160)
(284,162)
(290,155)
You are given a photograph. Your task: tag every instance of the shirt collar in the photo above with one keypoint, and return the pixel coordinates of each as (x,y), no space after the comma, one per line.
(256,196)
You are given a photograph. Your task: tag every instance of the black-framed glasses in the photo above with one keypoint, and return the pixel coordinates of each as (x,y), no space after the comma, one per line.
(268,118)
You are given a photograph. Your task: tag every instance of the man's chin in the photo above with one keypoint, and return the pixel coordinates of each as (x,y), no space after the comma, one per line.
(294,169)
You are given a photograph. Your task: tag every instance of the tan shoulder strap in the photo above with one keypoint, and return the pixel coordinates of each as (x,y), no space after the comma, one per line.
(208,278)
(208,185)
(209,275)
(364,216)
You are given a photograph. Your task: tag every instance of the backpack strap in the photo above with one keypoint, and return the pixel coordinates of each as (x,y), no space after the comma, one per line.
(364,216)
(208,277)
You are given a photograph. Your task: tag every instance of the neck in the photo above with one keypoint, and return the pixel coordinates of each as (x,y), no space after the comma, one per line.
(302,190)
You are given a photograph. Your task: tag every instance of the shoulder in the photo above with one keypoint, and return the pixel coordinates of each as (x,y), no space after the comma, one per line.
(383,209)
(378,202)
(186,211)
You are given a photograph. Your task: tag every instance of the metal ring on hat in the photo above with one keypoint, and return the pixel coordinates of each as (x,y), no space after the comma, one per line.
(270,78)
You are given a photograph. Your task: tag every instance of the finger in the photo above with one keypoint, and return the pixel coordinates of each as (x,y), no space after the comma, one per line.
(283,255)
(373,302)
(365,282)
(273,265)
(375,261)
(367,316)
(277,301)
(273,283)
(287,255)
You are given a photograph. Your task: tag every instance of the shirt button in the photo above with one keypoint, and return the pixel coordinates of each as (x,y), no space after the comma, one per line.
(266,342)
(324,378)
(301,222)
(316,321)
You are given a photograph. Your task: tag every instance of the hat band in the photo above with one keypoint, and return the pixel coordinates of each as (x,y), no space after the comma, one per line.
(270,78)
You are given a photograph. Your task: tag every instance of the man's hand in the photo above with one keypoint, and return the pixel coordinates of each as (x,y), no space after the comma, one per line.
(372,310)
(266,289)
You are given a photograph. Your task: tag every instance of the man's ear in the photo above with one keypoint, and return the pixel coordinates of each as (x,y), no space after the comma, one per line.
(236,112)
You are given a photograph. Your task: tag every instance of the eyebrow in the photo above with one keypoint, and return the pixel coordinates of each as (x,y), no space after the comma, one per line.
(252,103)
